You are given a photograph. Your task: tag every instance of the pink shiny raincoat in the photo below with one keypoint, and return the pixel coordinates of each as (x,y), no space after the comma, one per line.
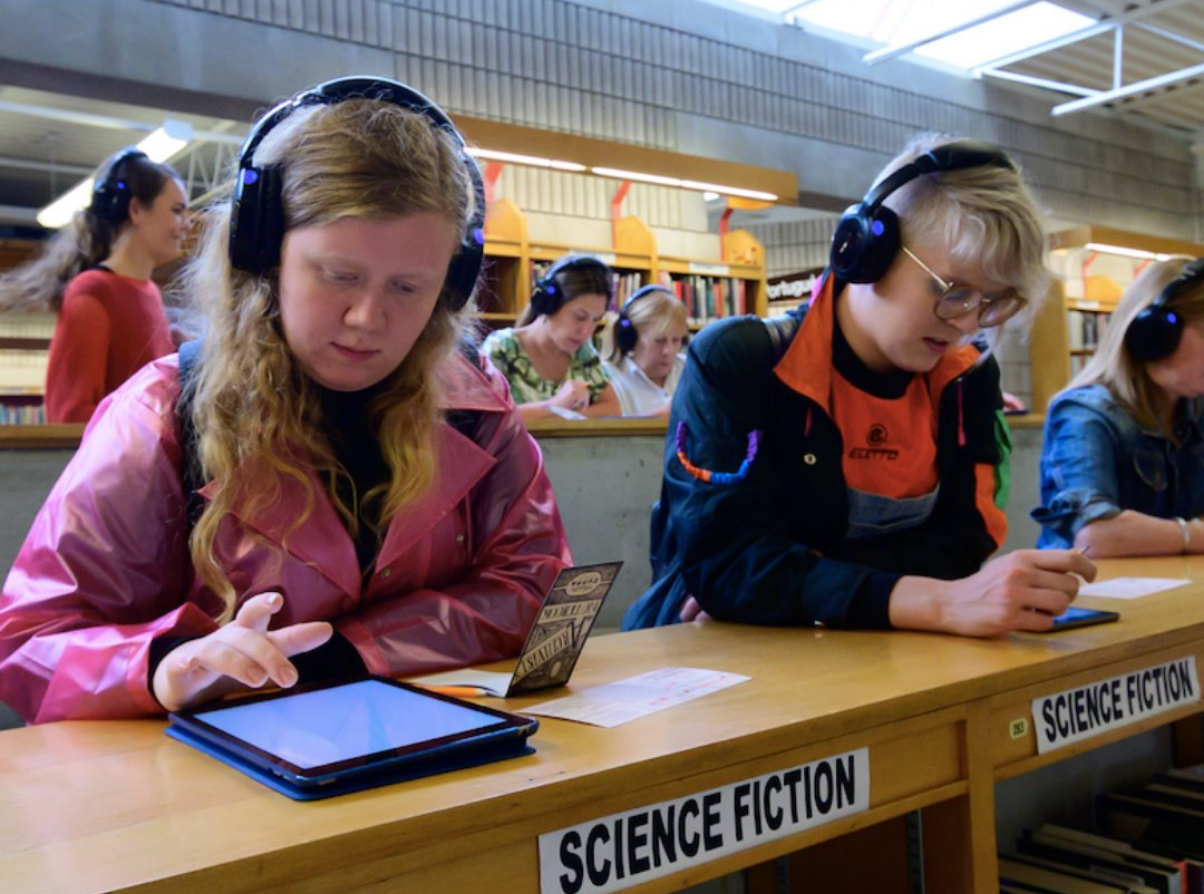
(105,568)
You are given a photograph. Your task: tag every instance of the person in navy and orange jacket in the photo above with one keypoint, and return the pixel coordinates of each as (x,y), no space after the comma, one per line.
(344,487)
(847,465)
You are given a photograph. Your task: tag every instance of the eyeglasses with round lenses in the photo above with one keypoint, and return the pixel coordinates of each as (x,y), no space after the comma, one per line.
(994,308)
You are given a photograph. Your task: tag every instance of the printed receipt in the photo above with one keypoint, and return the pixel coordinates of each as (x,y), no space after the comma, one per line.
(624,700)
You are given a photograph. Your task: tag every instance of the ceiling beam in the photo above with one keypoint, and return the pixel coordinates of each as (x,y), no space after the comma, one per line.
(1148,85)
(1031,81)
(1088,31)
(70,116)
(892,52)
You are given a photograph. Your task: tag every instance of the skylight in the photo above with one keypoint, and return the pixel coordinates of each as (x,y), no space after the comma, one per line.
(902,22)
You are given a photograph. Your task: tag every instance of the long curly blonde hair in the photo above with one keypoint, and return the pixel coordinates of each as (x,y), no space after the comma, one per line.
(257,416)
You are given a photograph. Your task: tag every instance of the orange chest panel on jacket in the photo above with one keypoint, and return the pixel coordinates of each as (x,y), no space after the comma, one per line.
(889,444)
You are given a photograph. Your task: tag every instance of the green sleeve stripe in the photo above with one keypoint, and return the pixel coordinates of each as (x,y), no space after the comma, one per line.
(1003,469)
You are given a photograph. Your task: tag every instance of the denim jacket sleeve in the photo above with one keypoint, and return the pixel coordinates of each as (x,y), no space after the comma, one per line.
(1078,470)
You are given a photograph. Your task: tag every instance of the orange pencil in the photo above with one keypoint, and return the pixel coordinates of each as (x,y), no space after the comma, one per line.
(456,691)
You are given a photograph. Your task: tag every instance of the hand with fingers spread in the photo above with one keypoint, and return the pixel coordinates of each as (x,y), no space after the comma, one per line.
(243,653)
(1022,590)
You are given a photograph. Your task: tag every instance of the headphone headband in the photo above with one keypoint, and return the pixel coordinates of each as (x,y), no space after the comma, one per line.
(111,194)
(547,298)
(257,214)
(867,237)
(955,156)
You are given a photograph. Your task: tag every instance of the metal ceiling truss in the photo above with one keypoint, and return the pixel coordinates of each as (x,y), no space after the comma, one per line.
(1089,97)
(208,154)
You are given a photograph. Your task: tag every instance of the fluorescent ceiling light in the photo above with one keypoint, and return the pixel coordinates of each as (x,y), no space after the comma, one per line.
(658,180)
(900,22)
(532,160)
(159,145)
(1127,252)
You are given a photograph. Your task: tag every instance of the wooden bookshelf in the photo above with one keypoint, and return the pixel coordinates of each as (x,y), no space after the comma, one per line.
(636,261)
(1088,285)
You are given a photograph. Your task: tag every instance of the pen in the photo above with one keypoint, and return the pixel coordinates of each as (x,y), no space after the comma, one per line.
(458,691)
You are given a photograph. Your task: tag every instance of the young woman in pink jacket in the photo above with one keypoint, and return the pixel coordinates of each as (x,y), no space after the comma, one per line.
(353,490)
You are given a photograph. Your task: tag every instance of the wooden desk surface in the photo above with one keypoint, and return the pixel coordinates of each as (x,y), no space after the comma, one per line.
(118,806)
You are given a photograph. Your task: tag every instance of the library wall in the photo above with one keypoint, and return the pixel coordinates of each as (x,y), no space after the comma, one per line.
(687,76)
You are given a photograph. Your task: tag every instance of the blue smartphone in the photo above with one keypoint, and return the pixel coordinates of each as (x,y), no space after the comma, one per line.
(1082,617)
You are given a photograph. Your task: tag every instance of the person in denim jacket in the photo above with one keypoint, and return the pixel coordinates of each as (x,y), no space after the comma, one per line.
(1122,469)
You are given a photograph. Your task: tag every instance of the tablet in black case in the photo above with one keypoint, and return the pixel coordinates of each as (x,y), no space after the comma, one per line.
(329,739)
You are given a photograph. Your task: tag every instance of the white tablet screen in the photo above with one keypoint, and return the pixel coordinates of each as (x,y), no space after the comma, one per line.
(340,723)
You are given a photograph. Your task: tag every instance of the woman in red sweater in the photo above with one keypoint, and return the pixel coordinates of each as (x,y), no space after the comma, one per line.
(110,314)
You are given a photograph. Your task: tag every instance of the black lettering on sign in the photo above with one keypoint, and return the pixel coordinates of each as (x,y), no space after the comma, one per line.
(663,841)
(740,807)
(689,846)
(846,781)
(823,787)
(599,874)
(637,838)
(792,779)
(571,881)
(712,836)
(773,808)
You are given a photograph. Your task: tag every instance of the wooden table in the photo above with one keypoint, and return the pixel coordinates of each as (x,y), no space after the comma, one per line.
(118,806)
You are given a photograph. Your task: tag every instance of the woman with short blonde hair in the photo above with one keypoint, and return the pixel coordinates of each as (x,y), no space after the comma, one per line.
(642,351)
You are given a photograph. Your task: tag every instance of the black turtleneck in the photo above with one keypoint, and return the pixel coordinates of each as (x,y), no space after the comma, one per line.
(352,435)
(886,385)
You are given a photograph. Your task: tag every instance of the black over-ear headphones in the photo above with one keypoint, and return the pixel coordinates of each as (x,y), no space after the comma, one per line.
(257,215)
(1155,332)
(548,296)
(867,237)
(626,335)
(111,194)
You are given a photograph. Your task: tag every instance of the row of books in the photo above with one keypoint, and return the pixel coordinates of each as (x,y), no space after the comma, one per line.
(22,413)
(1084,329)
(709,297)
(1150,840)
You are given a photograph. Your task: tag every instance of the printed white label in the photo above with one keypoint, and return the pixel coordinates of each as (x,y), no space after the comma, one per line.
(636,846)
(1086,711)
(702,269)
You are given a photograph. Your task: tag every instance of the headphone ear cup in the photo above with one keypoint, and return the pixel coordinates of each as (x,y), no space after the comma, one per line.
(1154,333)
(257,220)
(462,275)
(544,298)
(626,335)
(864,244)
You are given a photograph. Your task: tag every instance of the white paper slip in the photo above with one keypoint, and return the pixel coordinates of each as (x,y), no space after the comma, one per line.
(636,697)
(490,681)
(1130,587)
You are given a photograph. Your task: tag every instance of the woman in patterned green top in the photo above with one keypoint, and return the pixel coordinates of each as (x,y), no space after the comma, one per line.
(549,359)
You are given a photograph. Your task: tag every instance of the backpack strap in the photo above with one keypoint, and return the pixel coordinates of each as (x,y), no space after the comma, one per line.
(781,333)
(466,421)
(190,461)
